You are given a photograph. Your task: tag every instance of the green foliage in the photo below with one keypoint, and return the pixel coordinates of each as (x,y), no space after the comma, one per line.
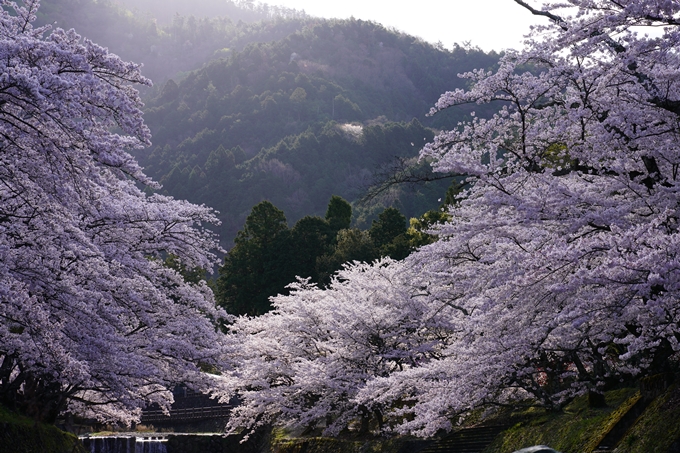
(194,275)
(575,429)
(20,434)
(311,238)
(355,245)
(268,255)
(390,224)
(454,191)
(288,105)
(417,232)
(657,428)
(345,110)
(263,225)
(257,267)
(338,213)
(352,244)
(299,173)
(177,42)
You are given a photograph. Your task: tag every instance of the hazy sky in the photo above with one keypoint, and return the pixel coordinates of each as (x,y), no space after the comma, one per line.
(489,24)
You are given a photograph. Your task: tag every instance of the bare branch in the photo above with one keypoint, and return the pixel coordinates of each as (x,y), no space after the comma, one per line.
(402,171)
(555,18)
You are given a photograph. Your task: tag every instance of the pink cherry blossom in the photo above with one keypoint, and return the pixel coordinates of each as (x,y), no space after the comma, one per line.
(90,320)
(559,270)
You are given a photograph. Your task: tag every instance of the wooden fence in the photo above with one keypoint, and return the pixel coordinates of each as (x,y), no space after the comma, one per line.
(194,413)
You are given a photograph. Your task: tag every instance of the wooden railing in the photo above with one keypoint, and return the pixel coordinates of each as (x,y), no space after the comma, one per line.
(194,413)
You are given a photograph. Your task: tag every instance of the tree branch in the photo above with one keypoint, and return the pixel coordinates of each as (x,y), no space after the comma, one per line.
(555,18)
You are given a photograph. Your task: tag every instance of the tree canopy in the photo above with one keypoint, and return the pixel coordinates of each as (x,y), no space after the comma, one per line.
(556,272)
(91,321)
(268,256)
(338,213)
(316,112)
(259,265)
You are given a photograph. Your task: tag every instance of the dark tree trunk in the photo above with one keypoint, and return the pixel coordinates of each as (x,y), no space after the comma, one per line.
(365,419)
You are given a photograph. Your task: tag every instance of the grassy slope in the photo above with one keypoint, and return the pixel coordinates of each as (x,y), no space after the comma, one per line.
(658,427)
(579,428)
(20,434)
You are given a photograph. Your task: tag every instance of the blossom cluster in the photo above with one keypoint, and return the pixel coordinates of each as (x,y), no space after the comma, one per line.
(90,319)
(559,270)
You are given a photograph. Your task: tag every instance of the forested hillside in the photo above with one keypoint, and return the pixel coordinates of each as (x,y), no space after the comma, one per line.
(287,108)
(300,119)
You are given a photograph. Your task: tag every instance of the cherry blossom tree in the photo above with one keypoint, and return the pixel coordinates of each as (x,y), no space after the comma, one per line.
(302,364)
(563,256)
(558,272)
(90,320)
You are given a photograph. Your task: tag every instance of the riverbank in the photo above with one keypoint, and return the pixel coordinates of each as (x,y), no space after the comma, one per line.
(19,434)
(579,428)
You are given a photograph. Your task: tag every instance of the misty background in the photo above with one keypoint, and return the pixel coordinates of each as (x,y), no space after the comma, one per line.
(257,102)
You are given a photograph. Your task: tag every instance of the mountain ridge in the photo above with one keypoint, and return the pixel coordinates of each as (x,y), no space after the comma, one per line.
(235,102)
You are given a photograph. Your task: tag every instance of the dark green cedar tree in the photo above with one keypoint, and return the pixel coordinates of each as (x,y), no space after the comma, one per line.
(388,233)
(258,266)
